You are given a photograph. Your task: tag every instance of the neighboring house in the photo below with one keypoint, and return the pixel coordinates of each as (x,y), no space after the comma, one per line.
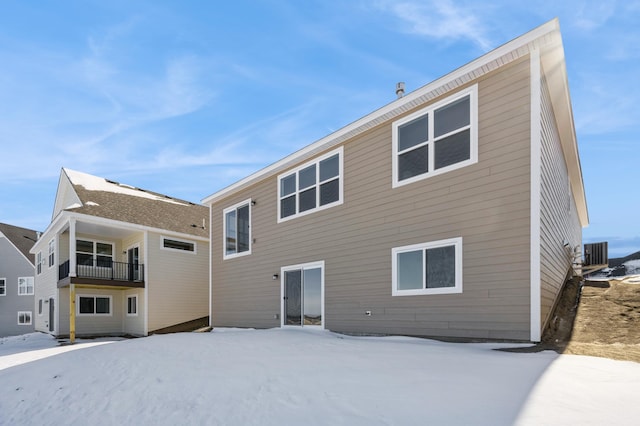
(131,261)
(16,280)
(452,211)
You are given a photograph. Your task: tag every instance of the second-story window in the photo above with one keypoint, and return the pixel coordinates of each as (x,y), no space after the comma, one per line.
(39,263)
(437,139)
(52,253)
(313,186)
(93,253)
(25,286)
(237,229)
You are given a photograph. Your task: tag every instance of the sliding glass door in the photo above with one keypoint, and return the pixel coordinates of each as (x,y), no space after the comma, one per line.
(303,295)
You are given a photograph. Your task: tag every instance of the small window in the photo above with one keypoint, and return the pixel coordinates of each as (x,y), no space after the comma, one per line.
(39,306)
(237,230)
(436,139)
(39,262)
(3,286)
(429,268)
(178,245)
(52,253)
(94,305)
(313,186)
(25,286)
(132,305)
(24,317)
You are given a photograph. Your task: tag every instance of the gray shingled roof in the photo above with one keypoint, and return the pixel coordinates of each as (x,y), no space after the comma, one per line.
(119,202)
(22,238)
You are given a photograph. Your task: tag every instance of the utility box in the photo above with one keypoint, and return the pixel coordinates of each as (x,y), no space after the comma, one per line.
(596,254)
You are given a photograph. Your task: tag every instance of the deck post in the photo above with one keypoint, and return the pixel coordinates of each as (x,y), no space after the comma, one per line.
(72,313)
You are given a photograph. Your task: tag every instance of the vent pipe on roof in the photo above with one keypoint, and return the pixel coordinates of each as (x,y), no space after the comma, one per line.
(400,89)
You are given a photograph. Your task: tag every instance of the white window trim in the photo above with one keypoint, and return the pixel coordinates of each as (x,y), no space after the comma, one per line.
(162,247)
(456,242)
(39,263)
(226,256)
(4,285)
(33,286)
(51,252)
(78,296)
(317,160)
(129,296)
(302,266)
(30,317)
(473,130)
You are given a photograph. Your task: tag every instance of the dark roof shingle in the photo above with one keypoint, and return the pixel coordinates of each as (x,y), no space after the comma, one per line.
(22,238)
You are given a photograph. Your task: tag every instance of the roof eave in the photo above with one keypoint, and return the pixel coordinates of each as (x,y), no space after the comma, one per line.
(463,75)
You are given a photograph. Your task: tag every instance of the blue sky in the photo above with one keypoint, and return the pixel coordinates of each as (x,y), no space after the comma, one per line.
(187,97)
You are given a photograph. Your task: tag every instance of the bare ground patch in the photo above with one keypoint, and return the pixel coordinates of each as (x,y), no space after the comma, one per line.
(595,318)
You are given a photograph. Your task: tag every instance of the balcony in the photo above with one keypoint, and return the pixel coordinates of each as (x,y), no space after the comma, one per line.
(102,272)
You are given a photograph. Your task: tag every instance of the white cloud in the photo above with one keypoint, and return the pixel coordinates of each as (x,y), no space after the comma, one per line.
(441,19)
(593,14)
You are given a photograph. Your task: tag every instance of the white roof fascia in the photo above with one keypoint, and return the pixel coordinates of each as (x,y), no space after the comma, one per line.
(554,69)
(57,207)
(64,217)
(506,53)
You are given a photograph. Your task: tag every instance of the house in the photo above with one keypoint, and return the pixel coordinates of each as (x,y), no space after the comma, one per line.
(453,211)
(117,259)
(16,280)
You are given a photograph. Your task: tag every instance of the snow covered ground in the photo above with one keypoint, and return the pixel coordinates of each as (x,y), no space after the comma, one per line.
(286,377)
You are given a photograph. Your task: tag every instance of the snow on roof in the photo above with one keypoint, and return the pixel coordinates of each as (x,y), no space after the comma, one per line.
(95,183)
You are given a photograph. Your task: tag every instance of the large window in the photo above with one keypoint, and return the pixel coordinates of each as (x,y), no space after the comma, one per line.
(52,253)
(313,186)
(94,253)
(436,139)
(3,286)
(178,245)
(429,268)
(24,317)
(237,230)
(94,305)
(25,286)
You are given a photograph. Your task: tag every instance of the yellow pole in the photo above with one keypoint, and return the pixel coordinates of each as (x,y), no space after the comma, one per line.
(72,313)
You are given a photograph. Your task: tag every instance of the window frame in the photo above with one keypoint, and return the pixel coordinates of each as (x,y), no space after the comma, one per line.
(225,212)
(52,253)
(316,161)
(40,308)
(39,262)
(20,293)
(457,288)
(29,313)
(472,92)
(95,254)
(132,296)
(3,287)
(163,238)
(94,297)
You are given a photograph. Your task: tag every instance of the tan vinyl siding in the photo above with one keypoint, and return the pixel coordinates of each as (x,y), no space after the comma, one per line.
(178,288)
(487,204)
(559,221)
